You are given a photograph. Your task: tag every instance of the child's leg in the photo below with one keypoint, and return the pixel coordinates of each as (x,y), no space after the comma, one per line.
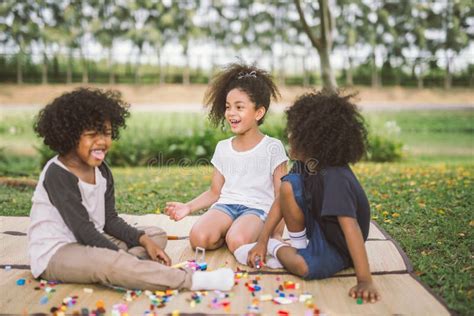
(122,245)
(294,217)
(314,260)
(292,261)
(244,230)
(209,231)
(278,231)
(156,234)
(75,263)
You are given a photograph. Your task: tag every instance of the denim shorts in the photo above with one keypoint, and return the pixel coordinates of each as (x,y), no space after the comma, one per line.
(322,258)
(236,210)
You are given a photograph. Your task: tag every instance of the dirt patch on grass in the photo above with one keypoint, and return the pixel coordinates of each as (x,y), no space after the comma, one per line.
(18,182)
(12,95)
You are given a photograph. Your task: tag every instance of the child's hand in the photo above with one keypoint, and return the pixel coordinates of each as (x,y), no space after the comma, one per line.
(260,251)
(155,252)
(176,210)
(366,291)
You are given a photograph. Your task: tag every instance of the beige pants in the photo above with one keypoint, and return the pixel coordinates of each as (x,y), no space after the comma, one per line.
(76,263)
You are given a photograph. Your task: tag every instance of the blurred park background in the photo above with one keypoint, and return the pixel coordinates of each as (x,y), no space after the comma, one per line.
(412,63)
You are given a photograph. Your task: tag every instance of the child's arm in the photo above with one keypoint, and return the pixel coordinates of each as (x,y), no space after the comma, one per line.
(260,249)
(365,288)
(155,252)
(273,223)
(114,224)
(280,171)
(177,210)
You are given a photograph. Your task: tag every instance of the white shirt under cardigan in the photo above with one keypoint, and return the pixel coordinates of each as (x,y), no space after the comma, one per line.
(47,231)
(249,174)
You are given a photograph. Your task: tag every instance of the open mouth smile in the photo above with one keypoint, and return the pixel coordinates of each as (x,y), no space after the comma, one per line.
(234,122)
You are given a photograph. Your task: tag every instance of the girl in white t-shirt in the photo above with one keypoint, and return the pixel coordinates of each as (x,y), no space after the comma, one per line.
(247,167)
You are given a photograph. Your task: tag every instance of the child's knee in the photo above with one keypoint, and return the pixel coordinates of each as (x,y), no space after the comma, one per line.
(203,239)
(301,269)
(157,234)
(235,241)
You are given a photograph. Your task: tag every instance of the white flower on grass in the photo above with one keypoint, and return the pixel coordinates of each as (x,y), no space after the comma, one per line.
(392,128)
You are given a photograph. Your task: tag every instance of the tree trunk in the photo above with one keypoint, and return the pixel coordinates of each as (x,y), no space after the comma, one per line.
(69,67)
(111,66)
(44,70)
(160,66)
(213,67)
(273,64)
(349,78)
(281,77)
(398,61)
(323,44)
(305,73)
(56,66)
(329,81)
(375,73)
(397,77)
(137,66)
(448,75)
(186,72)
(19,71)
(85,70)
(420,81)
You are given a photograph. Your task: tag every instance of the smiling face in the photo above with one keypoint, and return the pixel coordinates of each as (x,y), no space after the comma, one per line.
(93,145)
(241,113)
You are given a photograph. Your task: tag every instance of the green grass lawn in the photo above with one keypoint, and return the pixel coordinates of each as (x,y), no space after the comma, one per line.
(426,207)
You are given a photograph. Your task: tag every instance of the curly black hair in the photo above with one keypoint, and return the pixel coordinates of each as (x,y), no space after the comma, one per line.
(61,122)
(327,128)
(257,83)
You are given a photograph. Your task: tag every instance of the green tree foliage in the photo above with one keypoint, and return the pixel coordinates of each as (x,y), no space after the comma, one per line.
(18,27)
(108,24)
(382,41)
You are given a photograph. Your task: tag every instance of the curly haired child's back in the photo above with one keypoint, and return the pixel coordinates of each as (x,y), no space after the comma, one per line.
(324,206)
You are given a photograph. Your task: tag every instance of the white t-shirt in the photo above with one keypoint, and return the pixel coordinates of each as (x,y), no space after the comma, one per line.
(47,231)
(249,174)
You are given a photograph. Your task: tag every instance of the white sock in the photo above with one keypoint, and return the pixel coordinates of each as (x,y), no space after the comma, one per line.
(273,246)
(273,263)
(298,240)
(242,253)
(221,279)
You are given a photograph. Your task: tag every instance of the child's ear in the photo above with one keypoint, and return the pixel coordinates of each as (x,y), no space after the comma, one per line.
(260,113)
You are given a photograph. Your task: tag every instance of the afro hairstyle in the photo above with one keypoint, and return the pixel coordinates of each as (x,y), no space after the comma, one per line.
(61,122)
(327,128)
